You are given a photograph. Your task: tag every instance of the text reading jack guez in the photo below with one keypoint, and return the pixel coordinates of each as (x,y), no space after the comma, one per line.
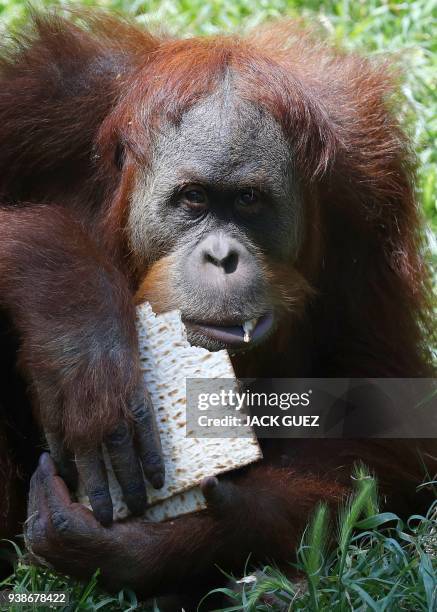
(286,420)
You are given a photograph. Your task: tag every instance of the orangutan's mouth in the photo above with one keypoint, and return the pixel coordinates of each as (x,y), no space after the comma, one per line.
(235,335)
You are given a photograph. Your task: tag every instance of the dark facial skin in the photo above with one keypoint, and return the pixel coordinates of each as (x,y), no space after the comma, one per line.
(219,278)
(218,202)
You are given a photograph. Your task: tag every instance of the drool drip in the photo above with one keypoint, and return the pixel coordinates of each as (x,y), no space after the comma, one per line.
(248,327)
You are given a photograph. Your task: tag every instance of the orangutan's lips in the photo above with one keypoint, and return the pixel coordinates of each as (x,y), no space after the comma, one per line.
(247,332)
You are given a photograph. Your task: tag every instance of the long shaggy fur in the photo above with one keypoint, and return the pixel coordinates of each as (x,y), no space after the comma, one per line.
(80,96)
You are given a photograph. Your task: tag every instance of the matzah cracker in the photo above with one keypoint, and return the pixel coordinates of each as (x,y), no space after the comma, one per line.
(167,360)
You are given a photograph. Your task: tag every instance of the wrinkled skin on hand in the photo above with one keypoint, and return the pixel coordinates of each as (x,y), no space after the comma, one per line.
(178,560)
(134,448)
(135,552)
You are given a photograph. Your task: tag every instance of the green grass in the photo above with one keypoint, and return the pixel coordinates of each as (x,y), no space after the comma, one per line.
(82,597)
(387,565)
(376,562)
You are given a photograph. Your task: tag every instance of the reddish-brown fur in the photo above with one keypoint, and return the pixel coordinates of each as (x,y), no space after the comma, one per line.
(68,95)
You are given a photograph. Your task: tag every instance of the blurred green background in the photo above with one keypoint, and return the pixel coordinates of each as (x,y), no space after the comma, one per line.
(406,30)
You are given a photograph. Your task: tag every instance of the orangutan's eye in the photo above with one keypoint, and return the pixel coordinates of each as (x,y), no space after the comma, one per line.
(248,201)
(194,197)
